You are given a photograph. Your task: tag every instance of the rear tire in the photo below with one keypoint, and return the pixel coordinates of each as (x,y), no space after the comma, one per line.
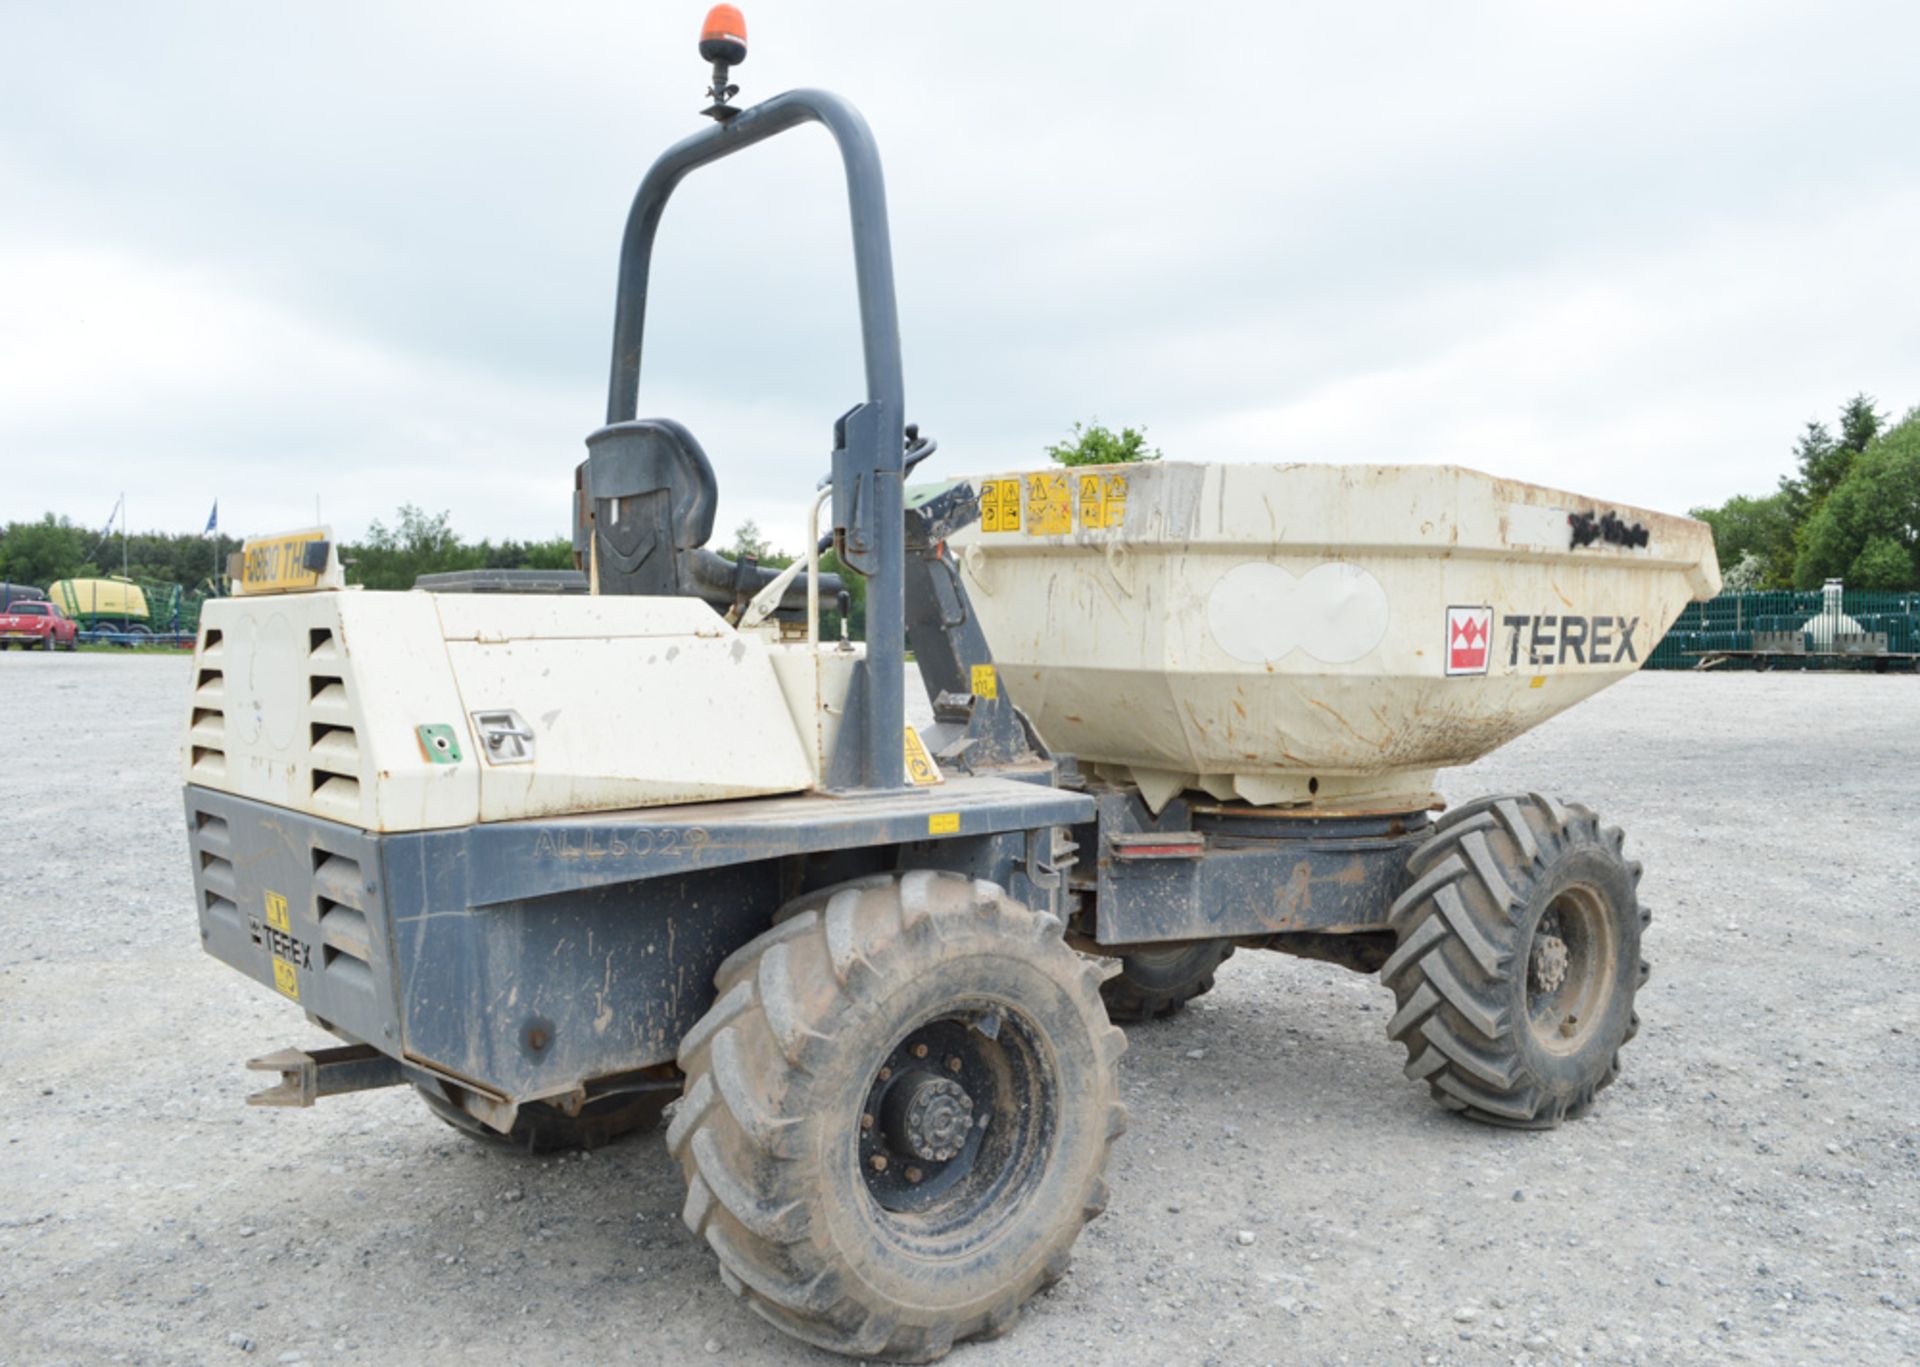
(1518,960)
(898,1113)
(542,1128)
(1153,983)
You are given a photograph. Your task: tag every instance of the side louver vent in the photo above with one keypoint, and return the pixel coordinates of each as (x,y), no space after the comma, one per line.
(213,850)
(333,755)
(207,727)
(339,892)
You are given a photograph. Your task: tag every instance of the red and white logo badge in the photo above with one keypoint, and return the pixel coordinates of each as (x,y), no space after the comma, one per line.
(1469,640)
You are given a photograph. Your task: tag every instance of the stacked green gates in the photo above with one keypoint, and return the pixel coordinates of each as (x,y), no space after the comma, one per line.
(1748,630)
(172,610)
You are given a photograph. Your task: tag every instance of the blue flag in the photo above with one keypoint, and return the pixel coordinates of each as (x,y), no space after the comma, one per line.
(213,519)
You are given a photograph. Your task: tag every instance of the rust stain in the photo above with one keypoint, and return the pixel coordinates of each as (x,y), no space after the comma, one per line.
(1294,898)
(1352,876)
(1364,740)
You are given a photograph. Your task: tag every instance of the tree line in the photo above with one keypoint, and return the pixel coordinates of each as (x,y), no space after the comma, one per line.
(53,548)
(392,556)
(1850,510)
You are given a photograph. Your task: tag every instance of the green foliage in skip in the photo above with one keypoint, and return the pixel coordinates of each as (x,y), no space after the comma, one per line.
(1096,444)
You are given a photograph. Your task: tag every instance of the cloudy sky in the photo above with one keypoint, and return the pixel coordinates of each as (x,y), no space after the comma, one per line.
(364,253)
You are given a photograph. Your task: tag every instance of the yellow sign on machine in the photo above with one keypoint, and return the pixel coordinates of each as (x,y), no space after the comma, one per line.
(285,563)
(1000,505)
(1102,501)
(1053,499)
(281,945)
(922,772)
(1049,505)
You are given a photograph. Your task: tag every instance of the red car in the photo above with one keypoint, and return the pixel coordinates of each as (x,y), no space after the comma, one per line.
(31,623)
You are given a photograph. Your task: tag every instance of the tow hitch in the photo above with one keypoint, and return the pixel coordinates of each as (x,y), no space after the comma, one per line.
(306,1077)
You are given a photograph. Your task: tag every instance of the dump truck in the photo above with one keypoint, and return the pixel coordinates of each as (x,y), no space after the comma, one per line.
(569,863)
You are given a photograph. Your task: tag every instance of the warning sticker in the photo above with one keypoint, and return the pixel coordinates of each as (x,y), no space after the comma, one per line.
(943,823)
(1102,501)
(986,681)
(286,951)
(1049,505)
(1000,505)
(922,772)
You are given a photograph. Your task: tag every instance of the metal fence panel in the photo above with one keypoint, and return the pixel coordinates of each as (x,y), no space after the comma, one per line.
(1832,628)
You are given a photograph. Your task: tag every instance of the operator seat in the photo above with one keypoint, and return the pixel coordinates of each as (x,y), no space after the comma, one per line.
(651,494)
(643,513)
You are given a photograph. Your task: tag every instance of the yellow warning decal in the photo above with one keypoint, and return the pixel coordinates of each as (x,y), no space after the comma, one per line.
(922,772)
(1049,505)
(1093,503)
(943,823)
(284,980)
(1000,505)
(986,681)
(1102,501)
(277,913)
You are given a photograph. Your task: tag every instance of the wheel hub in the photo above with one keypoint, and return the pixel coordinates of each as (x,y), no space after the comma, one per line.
(1549,962)
(929,1109)
(929,1116)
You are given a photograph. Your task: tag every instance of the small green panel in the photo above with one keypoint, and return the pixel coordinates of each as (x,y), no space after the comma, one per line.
(439,744)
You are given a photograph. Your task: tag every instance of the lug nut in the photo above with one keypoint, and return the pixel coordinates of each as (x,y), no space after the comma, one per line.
(866,1122)
(919,1051)
(879,1162)
(914,1174)
(885,1073)
(953,1065)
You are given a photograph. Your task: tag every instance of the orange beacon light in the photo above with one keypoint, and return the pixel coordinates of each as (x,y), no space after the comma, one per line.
(723,41)
(723,38)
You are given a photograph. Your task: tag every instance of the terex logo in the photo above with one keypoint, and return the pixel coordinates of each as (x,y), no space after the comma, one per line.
(1571,640)
(1469,639)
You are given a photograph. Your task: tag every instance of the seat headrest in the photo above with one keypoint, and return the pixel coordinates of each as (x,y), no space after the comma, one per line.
(653,455)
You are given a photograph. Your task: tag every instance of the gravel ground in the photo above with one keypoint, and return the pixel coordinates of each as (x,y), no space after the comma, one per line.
(1750,1191)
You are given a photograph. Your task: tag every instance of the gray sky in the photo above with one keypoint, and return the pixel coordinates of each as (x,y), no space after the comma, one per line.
(366,251)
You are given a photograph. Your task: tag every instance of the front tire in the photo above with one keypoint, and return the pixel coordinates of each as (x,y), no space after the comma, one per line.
(1518,960)
(542,1128)
(898,1113)
(1153,983)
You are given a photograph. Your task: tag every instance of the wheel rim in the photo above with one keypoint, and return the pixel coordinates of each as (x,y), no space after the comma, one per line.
(957,1126)
(1570,970)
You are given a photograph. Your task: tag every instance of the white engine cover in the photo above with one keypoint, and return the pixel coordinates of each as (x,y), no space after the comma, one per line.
(315,701)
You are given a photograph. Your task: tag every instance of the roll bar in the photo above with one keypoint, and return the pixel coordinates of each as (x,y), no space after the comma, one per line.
(867,460)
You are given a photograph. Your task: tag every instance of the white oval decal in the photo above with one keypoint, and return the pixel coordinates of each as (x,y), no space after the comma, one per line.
(1259,613)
